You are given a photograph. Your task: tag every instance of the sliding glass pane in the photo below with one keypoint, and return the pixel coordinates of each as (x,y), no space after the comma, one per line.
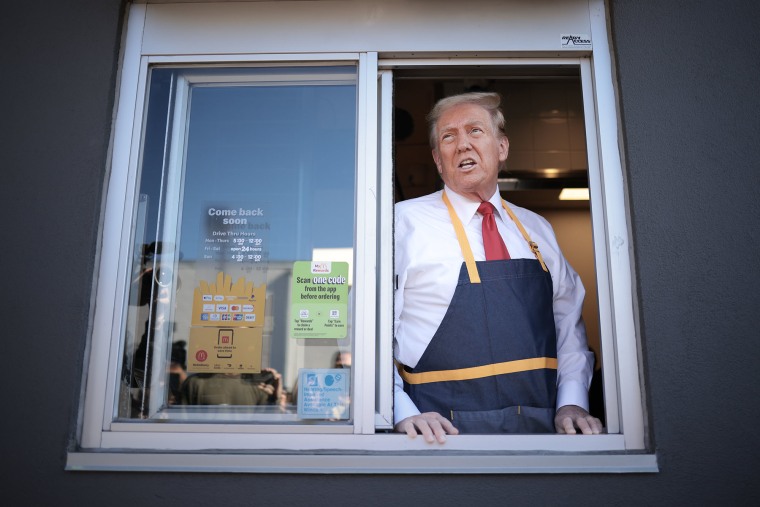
(240,302)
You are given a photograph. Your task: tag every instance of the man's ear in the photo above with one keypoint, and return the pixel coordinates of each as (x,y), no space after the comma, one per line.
(437,160)
(503,148)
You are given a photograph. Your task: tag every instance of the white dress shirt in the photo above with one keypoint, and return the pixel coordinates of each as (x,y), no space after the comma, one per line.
(427,263)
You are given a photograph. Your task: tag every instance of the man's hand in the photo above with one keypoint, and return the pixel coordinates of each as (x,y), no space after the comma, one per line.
(432,425)
(570,417)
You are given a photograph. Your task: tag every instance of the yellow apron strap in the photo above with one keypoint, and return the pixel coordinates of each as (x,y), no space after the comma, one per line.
(533,246)
(464,244)
(488,370)
(474,372)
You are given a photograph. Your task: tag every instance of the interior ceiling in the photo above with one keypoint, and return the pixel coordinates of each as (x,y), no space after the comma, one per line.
(533,187)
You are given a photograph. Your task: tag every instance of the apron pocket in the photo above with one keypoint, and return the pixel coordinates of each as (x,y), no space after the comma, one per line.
(520,419)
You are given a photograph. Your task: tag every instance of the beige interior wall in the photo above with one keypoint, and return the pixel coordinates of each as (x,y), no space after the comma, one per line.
(574,234)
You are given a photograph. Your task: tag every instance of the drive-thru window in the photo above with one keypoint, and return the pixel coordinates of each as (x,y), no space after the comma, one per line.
(243,318)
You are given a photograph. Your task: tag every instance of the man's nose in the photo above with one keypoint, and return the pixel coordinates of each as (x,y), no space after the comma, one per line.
(463,143)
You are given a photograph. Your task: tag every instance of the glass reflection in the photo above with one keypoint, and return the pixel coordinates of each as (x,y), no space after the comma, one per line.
(276,148)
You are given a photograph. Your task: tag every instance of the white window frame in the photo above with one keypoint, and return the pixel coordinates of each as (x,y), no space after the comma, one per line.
(173,196)
(107,445)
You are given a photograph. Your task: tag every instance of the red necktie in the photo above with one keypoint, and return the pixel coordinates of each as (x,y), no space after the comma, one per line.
(492,242)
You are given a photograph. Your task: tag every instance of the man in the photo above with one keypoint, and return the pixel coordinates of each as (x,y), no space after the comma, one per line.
(483,346)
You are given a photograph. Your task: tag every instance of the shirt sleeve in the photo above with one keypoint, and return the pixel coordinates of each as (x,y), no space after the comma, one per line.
(575,360)
(400,261)
(403,406)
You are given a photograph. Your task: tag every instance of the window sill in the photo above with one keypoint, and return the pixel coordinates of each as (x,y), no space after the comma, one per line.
(373,463)
(381,454)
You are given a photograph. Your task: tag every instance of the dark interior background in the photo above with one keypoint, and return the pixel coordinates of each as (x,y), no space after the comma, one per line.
(544,113)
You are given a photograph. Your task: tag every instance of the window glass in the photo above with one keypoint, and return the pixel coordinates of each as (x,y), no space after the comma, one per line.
(239,302)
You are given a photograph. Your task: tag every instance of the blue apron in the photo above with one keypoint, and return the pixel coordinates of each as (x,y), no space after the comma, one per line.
(491,366)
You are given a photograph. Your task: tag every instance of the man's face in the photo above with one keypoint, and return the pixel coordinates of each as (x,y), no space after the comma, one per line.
(469,151)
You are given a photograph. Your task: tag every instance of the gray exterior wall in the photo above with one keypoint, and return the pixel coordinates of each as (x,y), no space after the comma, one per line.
(688,82)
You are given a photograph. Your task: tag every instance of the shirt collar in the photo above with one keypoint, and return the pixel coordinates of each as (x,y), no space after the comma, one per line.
(466,209)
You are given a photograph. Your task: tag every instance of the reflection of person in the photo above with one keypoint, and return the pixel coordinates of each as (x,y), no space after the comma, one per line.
(233,389)
(498,355)
(151,286)
(342,359)
(177,371)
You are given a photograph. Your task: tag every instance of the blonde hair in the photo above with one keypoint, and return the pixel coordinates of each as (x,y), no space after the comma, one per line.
(489,101)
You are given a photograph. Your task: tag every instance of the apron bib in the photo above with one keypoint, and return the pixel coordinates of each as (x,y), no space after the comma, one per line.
(491,366)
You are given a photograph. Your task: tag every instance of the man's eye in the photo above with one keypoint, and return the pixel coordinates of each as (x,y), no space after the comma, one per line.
(447,137)
(476,130)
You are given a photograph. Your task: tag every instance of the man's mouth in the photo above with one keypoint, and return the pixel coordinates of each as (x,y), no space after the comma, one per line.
(466,163)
